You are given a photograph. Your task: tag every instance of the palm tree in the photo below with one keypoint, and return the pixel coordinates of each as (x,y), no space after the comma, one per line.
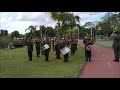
(78,25)
(62,19)
(73,24)
(32,30)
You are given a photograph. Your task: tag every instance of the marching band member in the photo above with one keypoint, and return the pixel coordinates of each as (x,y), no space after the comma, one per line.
(37,45)
(29,44)
(46,50)
(66,55)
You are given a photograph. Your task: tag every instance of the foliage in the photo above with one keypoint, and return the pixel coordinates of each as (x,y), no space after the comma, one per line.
(4,41)
(15,34)
(3,32)
(110,23)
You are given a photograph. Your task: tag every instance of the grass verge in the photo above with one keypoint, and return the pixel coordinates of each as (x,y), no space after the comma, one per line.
(19,67)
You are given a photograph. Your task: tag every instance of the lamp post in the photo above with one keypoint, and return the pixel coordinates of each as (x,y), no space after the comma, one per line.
(78,34)
(91,26)
(41,30)
(91,30)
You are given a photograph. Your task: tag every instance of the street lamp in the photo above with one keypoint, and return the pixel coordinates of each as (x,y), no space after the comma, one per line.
(41,30)
(91,30)
(78,31)
(91,25)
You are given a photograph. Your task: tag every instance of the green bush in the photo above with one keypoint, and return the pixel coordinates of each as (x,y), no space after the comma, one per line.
(4,41)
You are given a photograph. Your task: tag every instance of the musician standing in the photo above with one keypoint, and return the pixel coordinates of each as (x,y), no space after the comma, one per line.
(65,45)
(42,44)
(72,47)
(53,44)
(87,41)
(57,49)
(76,43)
(46,51)
(37,45)
(30,49)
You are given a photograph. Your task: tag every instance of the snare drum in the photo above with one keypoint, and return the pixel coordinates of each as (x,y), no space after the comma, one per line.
(65,50)
(46,46)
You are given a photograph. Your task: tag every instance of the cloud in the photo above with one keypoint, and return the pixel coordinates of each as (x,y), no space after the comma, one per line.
(22,20)
(85,16)
(18,25)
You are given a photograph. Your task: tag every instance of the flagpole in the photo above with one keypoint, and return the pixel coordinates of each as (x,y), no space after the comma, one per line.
(0,60)
(9,51)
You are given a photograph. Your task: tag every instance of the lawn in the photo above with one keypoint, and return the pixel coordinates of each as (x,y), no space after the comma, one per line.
(19,66)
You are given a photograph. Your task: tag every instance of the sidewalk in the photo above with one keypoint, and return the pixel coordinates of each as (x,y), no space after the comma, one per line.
(102,65)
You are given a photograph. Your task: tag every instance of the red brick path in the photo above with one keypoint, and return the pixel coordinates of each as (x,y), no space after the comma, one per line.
(102,65)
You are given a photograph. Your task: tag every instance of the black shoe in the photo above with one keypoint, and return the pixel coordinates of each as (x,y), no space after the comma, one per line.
(116,60)
(29,60)
(90,60)
(45,60)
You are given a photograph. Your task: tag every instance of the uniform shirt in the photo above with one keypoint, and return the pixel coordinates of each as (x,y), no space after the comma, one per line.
(30,46)
(117,38)
(116,41)
(37,43)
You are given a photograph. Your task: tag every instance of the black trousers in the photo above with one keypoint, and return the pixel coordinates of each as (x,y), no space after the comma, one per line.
(53,46)
(38,51)
(30,55)
(117,52)
(66,57)
(57,50)
(75,47)
(72,49)
(46,53)
(57,55)
(88,54)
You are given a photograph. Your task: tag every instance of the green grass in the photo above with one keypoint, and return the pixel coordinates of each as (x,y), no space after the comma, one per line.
(20,67)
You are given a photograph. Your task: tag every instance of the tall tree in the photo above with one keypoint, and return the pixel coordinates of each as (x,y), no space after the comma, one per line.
(32,30)
(15,34)
(62,19)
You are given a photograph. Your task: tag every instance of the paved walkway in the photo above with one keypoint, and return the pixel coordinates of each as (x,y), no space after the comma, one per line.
(102,65)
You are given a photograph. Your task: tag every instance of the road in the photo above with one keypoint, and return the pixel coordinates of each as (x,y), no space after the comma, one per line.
(106,43)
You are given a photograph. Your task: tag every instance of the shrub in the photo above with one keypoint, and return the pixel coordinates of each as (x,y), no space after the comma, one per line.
(4,41)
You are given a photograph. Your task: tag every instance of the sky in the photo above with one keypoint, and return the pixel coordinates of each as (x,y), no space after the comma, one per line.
(20,21)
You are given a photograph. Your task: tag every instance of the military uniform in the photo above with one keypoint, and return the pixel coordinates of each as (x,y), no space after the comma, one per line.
(30,49)
(42,49)
(53,44)
(66,56)
(46,52)
(76,43)
(57,50)
(37,45)
(86,42)
(116,46)
(72,47)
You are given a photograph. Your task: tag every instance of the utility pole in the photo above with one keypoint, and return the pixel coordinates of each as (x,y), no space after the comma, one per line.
(41,30)
(78,33)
